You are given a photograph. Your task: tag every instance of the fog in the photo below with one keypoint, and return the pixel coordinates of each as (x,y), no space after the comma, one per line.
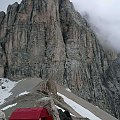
(104,17)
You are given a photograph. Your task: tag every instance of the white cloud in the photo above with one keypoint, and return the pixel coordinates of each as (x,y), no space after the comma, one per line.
(105,16)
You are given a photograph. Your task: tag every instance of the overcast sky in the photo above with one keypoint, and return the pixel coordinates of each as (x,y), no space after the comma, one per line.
(5,3)
(104,15)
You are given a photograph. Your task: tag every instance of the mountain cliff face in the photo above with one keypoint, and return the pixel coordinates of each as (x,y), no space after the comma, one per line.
(50,40)
(111,81)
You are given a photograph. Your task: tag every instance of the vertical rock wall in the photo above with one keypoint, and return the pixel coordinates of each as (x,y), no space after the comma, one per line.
(50,40)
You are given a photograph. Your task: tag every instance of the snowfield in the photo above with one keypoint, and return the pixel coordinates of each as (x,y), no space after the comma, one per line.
(5,87)
(79,109)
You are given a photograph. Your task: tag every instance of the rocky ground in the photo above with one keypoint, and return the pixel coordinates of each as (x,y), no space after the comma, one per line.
(39,95)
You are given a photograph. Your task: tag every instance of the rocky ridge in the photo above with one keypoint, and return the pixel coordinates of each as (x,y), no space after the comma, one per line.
(48,39)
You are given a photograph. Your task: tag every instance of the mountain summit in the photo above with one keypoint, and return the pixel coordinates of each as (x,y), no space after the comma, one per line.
(48,39)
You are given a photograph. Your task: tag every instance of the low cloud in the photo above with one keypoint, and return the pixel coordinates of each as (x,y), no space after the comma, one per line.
(104,17)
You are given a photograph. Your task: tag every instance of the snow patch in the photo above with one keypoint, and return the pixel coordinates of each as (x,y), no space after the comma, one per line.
(79,109)
(6,86)
(68,89)
(24,93)
(64,110)
(9,106)
(59,108)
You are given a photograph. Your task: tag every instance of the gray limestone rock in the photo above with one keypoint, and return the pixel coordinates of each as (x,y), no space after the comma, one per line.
(50,40)
(111,82)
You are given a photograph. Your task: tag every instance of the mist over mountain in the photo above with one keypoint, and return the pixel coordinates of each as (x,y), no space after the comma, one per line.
(104,16)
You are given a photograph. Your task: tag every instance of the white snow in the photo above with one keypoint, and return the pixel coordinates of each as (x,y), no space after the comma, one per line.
(24,93)
(79,109)
(68,89)
(2,115)
(9,106)
(60,108)
(64,110)
(5,93)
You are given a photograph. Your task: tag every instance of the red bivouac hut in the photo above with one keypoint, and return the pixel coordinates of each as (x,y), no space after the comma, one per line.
(30,114)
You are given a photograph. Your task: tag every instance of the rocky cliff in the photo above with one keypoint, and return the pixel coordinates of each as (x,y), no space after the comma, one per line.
(50,40)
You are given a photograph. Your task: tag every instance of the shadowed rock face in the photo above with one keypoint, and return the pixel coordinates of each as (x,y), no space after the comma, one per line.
(111,82)
(49,39)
